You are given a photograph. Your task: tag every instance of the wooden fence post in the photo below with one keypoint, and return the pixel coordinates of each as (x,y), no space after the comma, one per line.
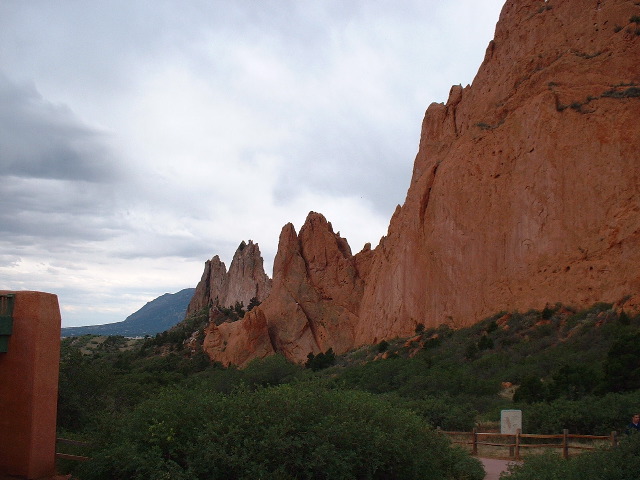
(474,448)
(614,438)
(565,444)
(517,452)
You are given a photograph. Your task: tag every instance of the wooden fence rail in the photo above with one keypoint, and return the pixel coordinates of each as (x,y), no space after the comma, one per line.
(70,456)
(515,441)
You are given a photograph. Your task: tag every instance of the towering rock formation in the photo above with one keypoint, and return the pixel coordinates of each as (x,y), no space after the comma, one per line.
(526,186)
(525,191)
(245,280)
(313,304)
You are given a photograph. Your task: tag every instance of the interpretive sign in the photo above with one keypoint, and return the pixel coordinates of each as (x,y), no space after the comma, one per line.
(510,421)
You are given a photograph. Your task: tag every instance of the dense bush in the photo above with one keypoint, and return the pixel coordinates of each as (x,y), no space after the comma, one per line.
(274,433)
(531,390)
(568,381)
(621,368)
(321,360)
(81,390)
(93,385)
(617,463)
(440,411)
(591,415)
(270,371)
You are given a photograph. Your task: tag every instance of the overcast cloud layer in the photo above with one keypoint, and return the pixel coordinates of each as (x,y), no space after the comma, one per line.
(140,138)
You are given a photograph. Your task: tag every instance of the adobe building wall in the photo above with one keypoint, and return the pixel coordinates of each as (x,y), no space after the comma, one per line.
(29,387)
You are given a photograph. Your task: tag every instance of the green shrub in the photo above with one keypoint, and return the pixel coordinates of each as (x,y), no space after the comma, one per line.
(320,361)
(590,415)
(81,383)
(254,302)
(471,352)
(485,343)
(432,342)
(624,319)
(531,390)
(631,92)
(621,367)
(442,411)
(270,371)
(573,382)
(276,433)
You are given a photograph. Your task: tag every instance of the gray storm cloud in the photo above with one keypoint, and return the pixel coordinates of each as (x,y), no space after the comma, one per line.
(42,140)
(56,175)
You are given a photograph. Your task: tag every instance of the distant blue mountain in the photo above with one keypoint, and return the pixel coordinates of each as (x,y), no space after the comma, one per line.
(156,316)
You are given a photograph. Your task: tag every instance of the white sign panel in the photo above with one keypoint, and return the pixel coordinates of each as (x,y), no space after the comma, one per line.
(510,421)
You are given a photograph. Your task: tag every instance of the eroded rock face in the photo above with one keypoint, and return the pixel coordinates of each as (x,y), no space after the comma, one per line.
(239,342)
(316,291)
(245,280)
(209,287)
(313,302)
(525,189)
(525,192)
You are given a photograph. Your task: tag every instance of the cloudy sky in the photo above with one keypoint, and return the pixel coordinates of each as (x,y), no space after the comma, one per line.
(140,138)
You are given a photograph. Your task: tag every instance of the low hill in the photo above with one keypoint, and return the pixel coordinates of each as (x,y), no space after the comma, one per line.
(156,316)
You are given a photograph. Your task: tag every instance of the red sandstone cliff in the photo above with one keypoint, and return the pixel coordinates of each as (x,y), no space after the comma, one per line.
(525,191)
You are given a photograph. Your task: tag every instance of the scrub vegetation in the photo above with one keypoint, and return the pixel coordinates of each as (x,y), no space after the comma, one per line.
(154,409)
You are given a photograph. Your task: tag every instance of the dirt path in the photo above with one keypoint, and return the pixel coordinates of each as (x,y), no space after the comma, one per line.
(494,467)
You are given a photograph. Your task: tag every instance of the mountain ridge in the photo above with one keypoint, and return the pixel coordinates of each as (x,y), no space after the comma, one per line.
(154,317)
